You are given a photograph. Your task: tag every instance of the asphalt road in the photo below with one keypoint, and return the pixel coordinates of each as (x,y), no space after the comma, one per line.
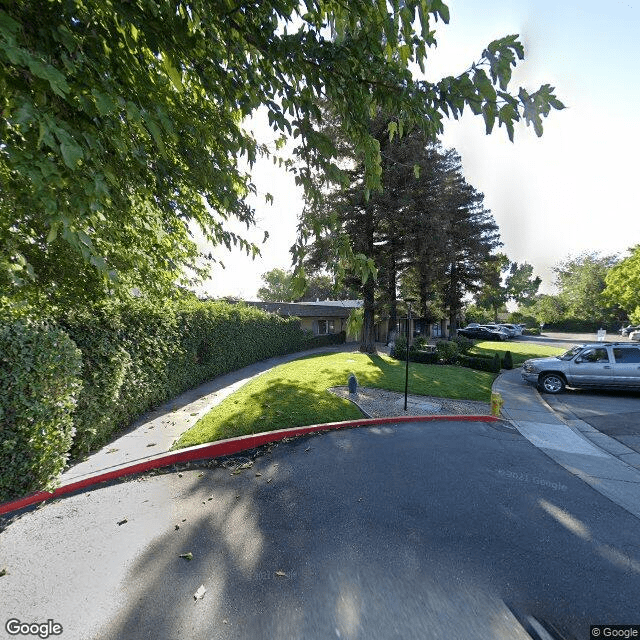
(404,531)
(615,413)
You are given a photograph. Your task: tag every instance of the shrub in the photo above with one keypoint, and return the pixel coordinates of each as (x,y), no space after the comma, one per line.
(313,342)
(578,325)
(105,367)
(419,343)
(464,344)
(479,363)
(424,357)
(139,353)
(496,363)
(507,361)
(447,351)
(400,348)
(39,383)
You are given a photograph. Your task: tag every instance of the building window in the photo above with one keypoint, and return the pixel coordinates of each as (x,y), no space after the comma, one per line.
(436,330)
(325,327)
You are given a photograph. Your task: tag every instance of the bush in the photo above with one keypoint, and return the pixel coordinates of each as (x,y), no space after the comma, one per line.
(139,354)
(105,368)
(313,342)
(577,325)
(419,343)
(39,383)
(134,356)
(507,361)
(447,351)
(464,344)
(423,357)
(496,363)
(480,363)
(400,348)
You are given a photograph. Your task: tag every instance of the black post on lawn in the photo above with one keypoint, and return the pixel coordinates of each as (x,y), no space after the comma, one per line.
(406,377)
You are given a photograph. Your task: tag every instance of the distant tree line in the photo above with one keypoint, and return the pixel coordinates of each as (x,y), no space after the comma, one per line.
(594,291)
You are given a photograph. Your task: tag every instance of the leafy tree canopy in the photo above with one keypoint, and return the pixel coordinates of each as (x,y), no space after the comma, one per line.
(623,284)
(581,282)
(122,122)
(280,287)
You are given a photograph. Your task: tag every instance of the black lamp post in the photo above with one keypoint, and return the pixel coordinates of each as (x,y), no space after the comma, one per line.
(406,377)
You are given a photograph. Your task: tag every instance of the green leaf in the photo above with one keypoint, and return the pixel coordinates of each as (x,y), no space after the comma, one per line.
(172,72)
(489,114)
(53,233)
(416,171)
(392,128)
(7,24)
(56,80)
(156,133)
(484,86)
(71,153)
(555,103)
(104,103)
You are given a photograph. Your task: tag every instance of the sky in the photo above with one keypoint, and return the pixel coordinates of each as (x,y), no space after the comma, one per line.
(571,191)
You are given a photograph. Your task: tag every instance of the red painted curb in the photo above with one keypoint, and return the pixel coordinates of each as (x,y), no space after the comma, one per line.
(217,449)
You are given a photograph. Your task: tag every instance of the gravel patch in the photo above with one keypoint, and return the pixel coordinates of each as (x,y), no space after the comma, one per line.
(379,403)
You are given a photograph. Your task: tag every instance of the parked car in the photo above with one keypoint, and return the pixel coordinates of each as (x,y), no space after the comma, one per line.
(602,365)
(627,331)
(514,327)
(482,333)
(635,335)
(511,329)
(499,329)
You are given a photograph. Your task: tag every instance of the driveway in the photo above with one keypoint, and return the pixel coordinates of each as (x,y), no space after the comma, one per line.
(423,530)
(614,413)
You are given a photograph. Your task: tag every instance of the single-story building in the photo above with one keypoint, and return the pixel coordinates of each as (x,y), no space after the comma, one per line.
(418,327)
(330,316)
(321,318)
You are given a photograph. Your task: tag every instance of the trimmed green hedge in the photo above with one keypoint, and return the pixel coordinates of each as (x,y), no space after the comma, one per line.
(314,342)
(67,387)
(39,383)
(137,355)
(578,325)
(481,363)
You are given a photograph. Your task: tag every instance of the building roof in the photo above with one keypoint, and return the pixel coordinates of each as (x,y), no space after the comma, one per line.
(350,304)
(327,309)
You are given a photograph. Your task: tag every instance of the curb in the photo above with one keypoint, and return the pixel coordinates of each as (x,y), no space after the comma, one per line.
(606,443)
(218,449)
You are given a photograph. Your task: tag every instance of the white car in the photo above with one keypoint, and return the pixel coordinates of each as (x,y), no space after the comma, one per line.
(635,335)
(514,327)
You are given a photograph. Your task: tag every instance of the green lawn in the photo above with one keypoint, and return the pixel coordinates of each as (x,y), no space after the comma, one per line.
(520,351)
(295,393)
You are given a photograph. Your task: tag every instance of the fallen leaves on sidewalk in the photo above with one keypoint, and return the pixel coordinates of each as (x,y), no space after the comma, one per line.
(121,522)
(187,556)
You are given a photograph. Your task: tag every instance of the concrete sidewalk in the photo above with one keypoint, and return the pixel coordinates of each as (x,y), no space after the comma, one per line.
(593,457)
(155,432)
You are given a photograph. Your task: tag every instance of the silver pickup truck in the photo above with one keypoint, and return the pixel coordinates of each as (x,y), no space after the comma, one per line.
(602,365)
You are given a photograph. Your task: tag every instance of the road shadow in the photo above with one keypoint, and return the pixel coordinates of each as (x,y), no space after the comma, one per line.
(348,535)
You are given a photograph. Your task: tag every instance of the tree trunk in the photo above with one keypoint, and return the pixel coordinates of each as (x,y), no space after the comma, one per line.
(393,301)
(368,343)
(453,307)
